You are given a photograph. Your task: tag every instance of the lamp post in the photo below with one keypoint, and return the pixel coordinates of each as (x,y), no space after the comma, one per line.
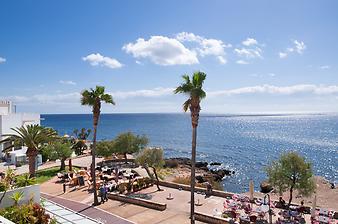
(266,188)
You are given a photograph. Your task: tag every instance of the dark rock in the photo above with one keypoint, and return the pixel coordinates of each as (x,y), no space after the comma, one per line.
(171,163)
(219,174)
(215,164)
(206,169)
(200,179)
(201,164)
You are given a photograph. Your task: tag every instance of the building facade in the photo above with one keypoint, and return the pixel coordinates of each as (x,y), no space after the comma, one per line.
(10,119)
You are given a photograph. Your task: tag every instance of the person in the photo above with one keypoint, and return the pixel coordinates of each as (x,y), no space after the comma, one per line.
(106,189)
(301,208)
(209,189)
(103,193)
(282,203)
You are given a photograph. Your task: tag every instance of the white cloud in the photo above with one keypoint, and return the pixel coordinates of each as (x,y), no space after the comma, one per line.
(2,60)
(100,60)
(156,92)
(262,75)
(58,98)
(299,47)
(242,62)
(162,51)
(324,67)
(283,54)
(281,90)
(67,82)
(249,42)
(183,49)
(249,53)
(74,97)
(205,46)
(222,60)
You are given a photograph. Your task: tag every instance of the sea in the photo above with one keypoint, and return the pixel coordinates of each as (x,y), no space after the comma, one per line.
(246,144)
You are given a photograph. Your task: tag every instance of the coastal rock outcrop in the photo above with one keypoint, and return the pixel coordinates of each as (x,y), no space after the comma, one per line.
(204,171)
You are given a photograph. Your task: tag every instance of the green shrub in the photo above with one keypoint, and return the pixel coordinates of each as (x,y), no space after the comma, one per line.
(26,214)
(4,186)
(24,180)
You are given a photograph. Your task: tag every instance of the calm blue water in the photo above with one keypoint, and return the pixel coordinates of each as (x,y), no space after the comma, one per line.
(245,144)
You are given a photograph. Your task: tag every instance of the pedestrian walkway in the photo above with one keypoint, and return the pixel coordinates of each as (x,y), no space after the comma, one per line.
(88,213)
(64,215)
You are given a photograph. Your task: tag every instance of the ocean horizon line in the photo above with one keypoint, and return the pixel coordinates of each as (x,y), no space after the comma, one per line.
(207,114)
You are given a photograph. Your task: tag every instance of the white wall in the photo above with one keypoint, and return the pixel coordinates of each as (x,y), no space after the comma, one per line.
(5,107)
(29,192)
(16,120)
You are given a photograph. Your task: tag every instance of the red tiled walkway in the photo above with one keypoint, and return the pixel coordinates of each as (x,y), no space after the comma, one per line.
(87,210)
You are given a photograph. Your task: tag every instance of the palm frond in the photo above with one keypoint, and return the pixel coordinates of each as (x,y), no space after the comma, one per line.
(186,105)
(192,87)
(107,99)
(93,97)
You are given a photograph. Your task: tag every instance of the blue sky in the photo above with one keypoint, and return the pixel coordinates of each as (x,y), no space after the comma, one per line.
(259,56)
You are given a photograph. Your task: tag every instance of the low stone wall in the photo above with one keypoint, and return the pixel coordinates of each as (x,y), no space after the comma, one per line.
(29,192)
(222,194)
(138,201)
(209,219)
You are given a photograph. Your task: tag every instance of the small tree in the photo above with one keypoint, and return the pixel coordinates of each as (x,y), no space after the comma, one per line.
(128,143)
(291,172)
(105,148)
(59,150)
(83,134)
(151,157)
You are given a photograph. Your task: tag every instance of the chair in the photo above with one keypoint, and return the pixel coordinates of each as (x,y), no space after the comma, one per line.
(90,184)
(253,218)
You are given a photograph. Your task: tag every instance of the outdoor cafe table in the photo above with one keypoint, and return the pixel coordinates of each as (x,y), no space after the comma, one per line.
(323,219)
(244,218)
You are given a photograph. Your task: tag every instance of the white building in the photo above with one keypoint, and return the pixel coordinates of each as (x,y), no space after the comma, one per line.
(10,119)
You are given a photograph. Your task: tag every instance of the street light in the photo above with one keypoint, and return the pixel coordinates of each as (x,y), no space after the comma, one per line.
(266,188)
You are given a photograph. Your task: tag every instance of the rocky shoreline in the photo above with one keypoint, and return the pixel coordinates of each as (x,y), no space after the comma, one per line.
(204,171)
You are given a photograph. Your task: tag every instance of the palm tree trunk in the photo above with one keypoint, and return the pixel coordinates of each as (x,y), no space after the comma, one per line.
(95,118)
(192,183)
(157,181)
(31,154)
(194,109)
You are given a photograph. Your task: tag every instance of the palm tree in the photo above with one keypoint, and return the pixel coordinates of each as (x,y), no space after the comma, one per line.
(193,88)
(93,98)
(31,136)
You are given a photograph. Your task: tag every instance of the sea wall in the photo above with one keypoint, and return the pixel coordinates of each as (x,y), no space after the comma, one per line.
(29,192)
(222,194)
